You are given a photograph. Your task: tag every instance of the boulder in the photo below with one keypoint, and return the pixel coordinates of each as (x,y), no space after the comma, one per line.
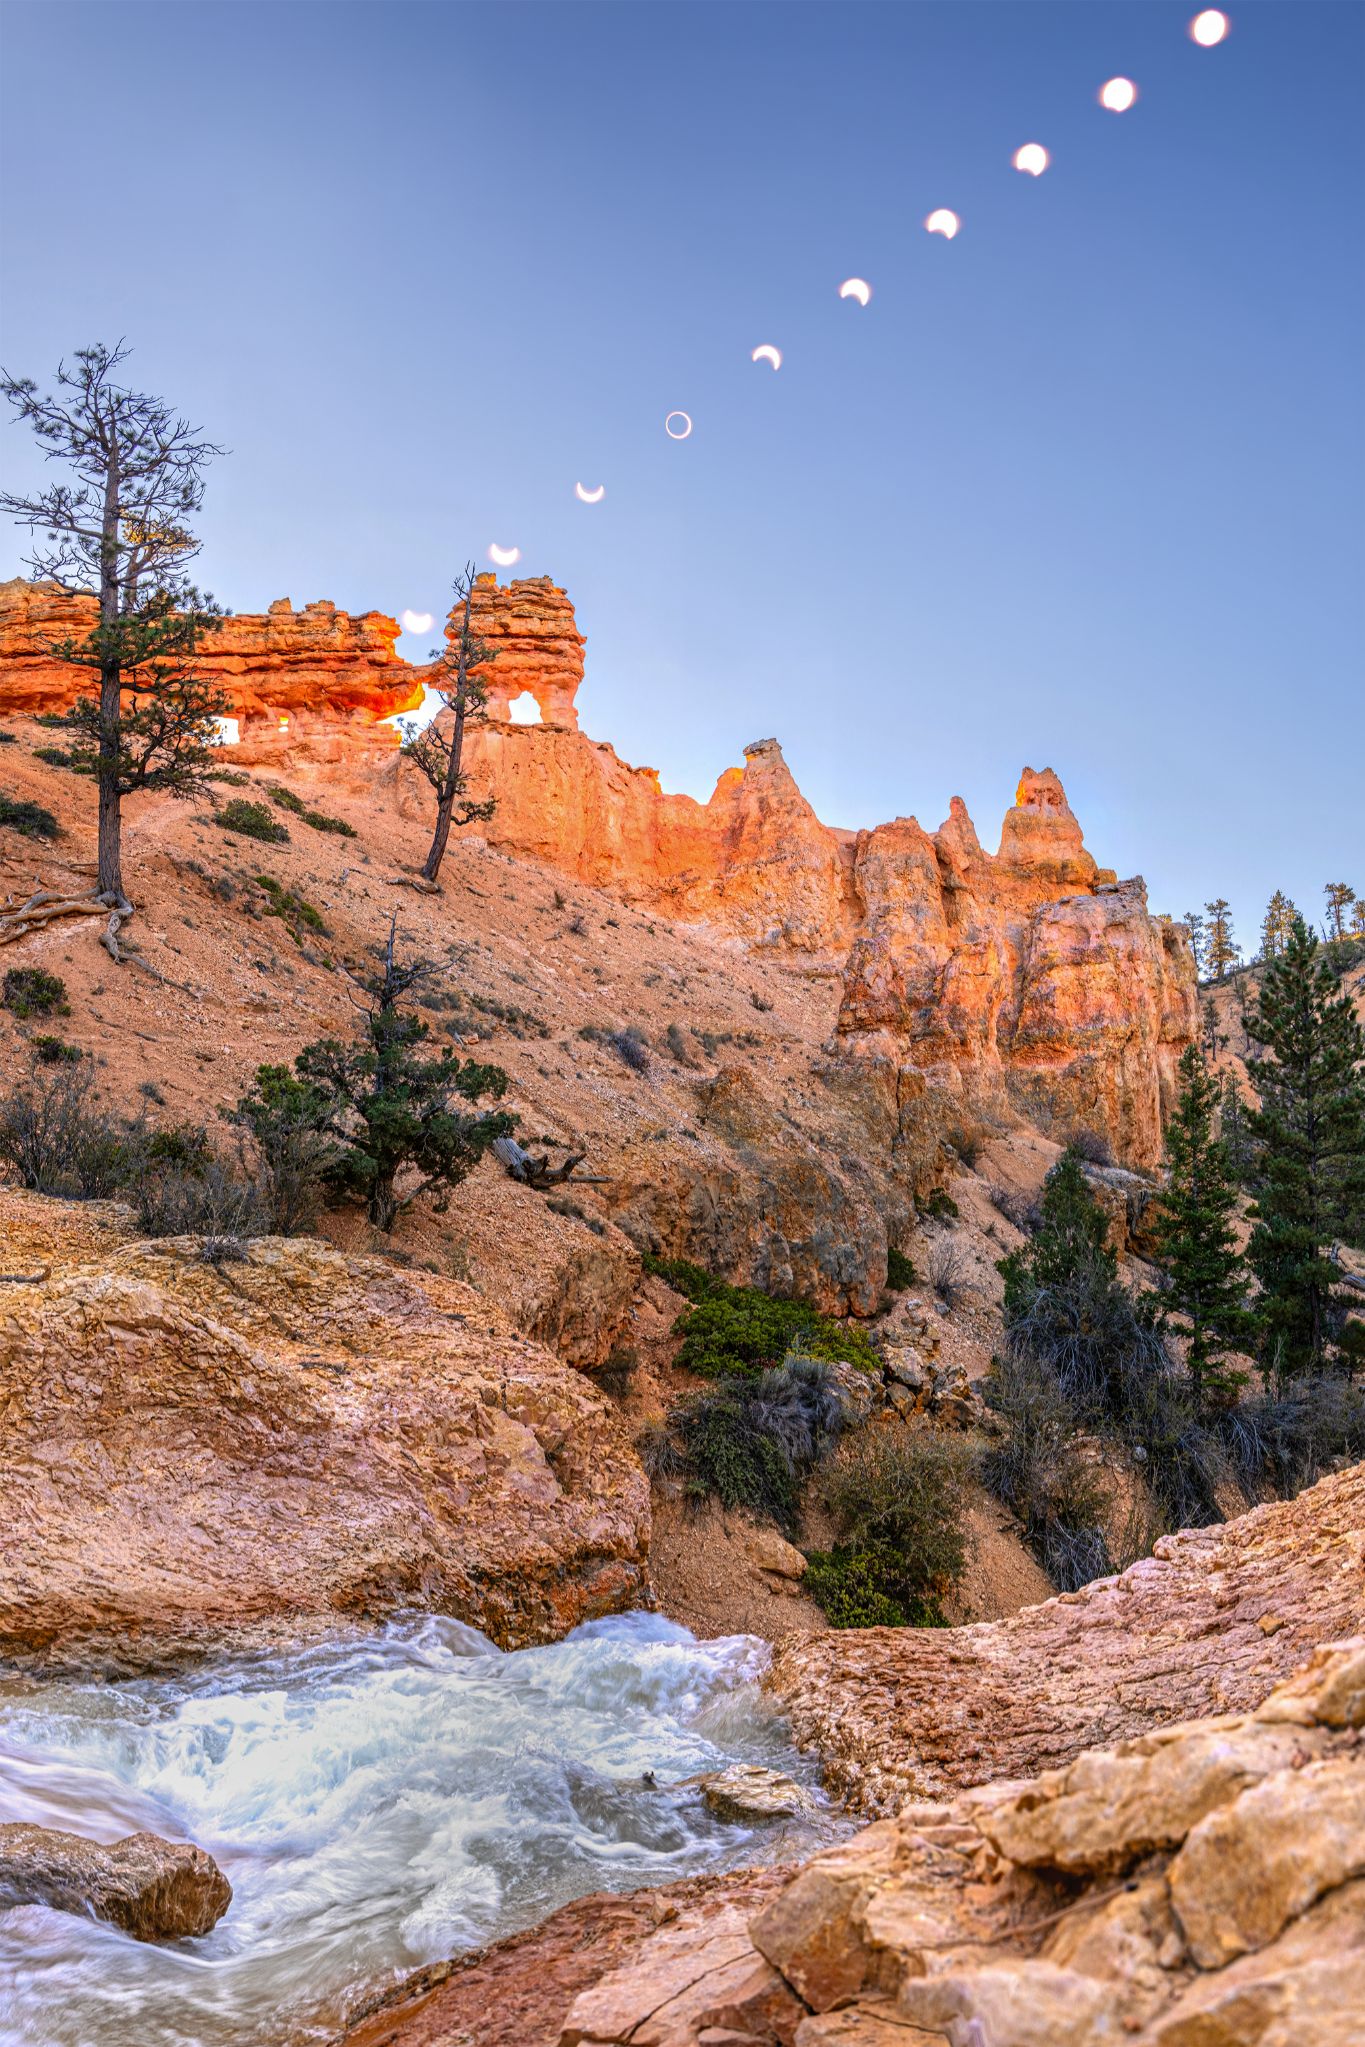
(153,1889)
(193,1454)
(745,1791)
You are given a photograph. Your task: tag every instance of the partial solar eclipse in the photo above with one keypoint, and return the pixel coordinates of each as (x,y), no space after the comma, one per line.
(504,556)
(1209,28)
(416,621)
(943,221)
(590,497)
(678,426)
(856,288)
(768,354)
(1118,94)
(1032,158)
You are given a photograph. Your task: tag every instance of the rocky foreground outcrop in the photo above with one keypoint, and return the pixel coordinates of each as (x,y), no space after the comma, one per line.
(1202,1886)
(1208,1624)
(154,1889)
(197,1446)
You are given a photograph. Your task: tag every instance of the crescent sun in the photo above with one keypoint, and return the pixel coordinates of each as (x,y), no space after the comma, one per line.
(767,353)
(856,288)
(504,556)
(590,497)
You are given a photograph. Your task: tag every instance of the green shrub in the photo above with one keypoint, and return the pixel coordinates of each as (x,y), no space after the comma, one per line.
(9,739)
(740,1329)
(750,1441)
(321,822)
(293,910)
(30,820)
(900,1270)
(252,821)
(898,1498)
(940,1206)
(32,991)
(318,819)
(62,757)
(52,1051)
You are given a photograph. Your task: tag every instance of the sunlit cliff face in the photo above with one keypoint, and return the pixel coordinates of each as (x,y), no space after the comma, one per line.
(1031,969)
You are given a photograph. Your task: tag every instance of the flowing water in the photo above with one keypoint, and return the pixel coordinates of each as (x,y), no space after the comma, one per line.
(376,1802)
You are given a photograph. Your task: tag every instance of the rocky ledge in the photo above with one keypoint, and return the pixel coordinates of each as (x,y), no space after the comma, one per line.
(204,1441)
(1196,1887)
(1208,1624)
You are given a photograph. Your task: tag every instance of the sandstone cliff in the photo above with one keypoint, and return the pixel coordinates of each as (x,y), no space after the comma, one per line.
(1029,978)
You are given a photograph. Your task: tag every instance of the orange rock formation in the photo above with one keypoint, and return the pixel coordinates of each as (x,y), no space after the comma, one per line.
(1031,973)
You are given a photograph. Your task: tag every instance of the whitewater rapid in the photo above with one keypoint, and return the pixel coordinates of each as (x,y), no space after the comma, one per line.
(376,1802)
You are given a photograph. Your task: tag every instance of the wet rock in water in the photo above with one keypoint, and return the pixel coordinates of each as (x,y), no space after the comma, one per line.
(747,1792)
(155,1890)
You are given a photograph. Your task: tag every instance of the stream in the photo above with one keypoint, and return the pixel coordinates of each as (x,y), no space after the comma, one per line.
(377,1801)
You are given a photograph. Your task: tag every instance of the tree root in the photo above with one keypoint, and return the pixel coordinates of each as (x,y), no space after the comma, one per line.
(44,905)
(417,881)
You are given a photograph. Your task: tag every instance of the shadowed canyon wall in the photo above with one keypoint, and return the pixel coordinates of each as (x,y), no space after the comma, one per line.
(1030,974)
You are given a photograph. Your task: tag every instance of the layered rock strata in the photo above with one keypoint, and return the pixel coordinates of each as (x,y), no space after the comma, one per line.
(1207,1624)
(1029,977)
(287,674)
(194,1452)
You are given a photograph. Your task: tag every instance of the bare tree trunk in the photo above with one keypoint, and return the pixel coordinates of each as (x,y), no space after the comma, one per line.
(446,802)
(111,702)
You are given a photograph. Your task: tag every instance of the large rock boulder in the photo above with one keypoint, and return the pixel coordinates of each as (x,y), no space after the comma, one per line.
(1200,1887)
(153,1889)
(194,1450)
(1208,1624)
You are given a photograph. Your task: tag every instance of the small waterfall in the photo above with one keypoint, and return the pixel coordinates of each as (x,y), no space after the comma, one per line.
(377,1801)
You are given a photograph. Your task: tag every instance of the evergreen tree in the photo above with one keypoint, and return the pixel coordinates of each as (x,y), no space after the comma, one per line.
(1340,896)
(1233,1130)
(1214,1039)
(1196,1245)
(1221,950)
(437,751)
(120,531)
(1194,924)
(1310,1137)
(1275,927)
(1358,917)
(384,1104)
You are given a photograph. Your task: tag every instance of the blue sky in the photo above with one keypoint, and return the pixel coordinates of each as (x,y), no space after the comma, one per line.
(1084,487)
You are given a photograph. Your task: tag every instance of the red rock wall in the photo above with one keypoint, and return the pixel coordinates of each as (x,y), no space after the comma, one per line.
(1032,972)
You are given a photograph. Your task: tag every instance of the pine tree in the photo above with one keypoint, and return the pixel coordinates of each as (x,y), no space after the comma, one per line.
(1214,1039)
(1310,1137)
(1340,896)
(437,751)
(1233,1130)
(1279,917)
(1194,924)
(1358,917)
(120,531)
(1221,949)
(384,1105)
(1196,1245)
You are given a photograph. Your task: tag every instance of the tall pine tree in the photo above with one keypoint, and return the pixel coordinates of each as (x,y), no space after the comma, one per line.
(1310,1137)
(1196,1244)
(1276,925)
(1221,949)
